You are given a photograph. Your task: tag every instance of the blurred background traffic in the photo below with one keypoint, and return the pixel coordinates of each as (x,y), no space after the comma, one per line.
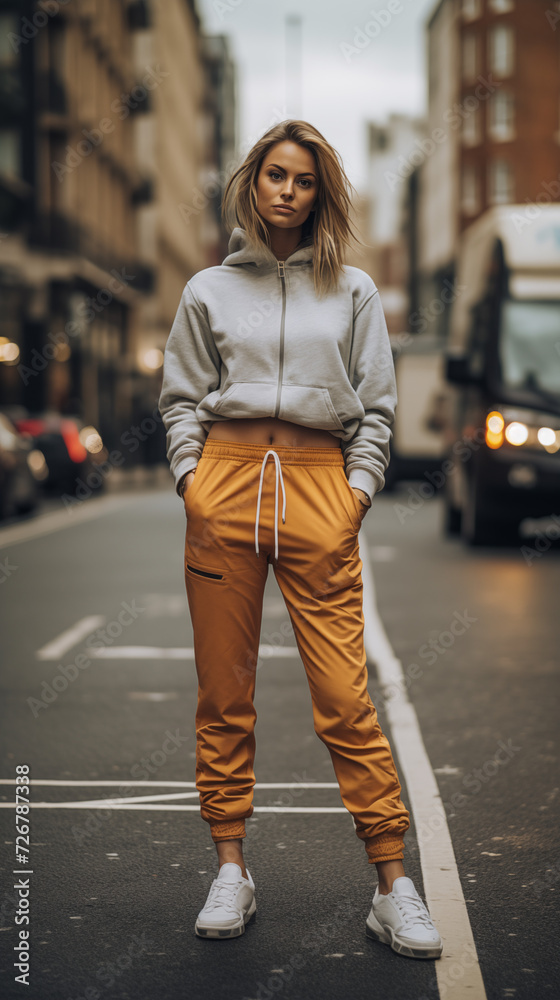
(120,124)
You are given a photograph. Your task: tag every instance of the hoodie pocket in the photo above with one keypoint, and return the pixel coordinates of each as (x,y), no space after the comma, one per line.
(311,406)
(247,399)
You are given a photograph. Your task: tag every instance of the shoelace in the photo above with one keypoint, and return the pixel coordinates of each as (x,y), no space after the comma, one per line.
(214,900)
(419,915)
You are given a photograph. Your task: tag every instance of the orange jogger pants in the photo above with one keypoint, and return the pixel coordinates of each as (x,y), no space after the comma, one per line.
(247,506)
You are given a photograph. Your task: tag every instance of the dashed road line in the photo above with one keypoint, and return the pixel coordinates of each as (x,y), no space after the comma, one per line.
(70,638)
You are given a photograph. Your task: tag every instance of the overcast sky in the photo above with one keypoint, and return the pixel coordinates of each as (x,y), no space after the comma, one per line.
(343,85)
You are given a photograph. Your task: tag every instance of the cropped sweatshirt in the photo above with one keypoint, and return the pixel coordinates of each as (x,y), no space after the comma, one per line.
(251,339)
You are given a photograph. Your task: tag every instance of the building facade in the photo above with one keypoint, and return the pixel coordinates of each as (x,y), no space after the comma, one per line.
(102,141)
(493,134)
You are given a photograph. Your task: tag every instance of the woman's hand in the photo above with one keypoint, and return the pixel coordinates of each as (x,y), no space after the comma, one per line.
(364,500)
(362,496)
(187,482)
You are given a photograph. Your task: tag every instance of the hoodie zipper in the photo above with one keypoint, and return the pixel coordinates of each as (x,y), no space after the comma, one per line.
(282,276)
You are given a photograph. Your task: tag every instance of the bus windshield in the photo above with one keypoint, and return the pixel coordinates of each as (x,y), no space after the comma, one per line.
(529,350)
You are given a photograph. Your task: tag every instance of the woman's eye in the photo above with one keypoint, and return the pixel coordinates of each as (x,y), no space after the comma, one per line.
(305,181)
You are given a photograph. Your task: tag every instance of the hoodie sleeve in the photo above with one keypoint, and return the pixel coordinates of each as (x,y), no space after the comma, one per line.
(191,369)
(372,374)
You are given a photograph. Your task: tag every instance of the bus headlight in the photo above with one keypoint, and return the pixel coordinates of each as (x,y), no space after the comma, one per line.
(516,433)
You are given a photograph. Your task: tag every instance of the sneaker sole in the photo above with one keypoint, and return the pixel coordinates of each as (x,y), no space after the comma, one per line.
(384,937)
(220,933)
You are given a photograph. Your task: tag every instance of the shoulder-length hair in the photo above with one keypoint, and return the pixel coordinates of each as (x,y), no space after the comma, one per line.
(328,225)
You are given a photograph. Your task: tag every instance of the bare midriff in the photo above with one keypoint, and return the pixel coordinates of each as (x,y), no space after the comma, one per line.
(272,431)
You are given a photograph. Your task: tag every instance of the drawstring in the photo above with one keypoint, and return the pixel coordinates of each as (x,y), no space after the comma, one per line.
(278,473)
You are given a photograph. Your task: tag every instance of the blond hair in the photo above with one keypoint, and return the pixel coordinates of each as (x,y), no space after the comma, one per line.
(328,225)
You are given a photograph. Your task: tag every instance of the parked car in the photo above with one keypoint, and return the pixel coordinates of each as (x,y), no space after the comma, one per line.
(71,449)
(503,366)
(21,468)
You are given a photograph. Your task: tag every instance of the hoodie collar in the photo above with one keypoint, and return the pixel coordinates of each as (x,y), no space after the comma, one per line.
(241,251)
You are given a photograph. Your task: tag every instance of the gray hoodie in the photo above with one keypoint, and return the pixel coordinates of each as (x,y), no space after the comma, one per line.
(252,339)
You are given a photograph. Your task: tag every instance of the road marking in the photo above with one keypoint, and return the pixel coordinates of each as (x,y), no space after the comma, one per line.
(154,802)
(175,653)
(442,886)
(383,553)
(151,806)
(57,520)
(74,783)
(70,638)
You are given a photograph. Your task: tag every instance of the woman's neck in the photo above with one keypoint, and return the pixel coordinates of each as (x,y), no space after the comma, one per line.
(283,242)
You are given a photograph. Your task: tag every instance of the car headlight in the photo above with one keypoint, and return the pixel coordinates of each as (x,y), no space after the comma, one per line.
(523,429)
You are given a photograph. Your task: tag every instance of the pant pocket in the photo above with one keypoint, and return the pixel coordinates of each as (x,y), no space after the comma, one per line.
(358,508)
(197,483)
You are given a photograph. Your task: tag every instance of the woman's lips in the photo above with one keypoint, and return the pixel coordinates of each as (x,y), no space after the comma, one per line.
(285,211)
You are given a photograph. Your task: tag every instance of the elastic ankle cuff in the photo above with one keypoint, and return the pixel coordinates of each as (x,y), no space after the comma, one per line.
(231,830)
(385,849)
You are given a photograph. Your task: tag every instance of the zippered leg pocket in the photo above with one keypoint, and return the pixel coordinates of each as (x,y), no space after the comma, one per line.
(204,573)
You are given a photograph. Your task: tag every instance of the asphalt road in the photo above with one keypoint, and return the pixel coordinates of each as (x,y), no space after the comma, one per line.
(114,893)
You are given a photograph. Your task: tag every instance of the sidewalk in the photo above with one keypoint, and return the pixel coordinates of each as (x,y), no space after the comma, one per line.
(151,477)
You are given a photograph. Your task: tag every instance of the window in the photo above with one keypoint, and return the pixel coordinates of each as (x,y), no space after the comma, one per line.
(470,56)
(500,6)
(10,152)
(529,357)
(9,25)
(470,190)
(500,183)
(501,116)
(471,9)
(500,45)
(471,128)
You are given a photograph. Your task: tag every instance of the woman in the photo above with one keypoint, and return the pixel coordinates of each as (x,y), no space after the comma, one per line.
(278,373)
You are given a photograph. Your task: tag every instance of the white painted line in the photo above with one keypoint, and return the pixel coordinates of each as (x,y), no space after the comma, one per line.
(70,638)
(443,890)
(103,804)
(151,802)
(176,652)
(57,520)
(383,553)
(71,783)
(141,653)
(109,803)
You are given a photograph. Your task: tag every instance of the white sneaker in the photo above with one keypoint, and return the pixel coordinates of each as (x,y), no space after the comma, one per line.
(230,904)
(402,921)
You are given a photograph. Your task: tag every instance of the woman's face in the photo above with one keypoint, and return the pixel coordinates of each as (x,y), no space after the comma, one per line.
(288,176)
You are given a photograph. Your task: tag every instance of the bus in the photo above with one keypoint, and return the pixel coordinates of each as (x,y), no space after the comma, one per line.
(502,418)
